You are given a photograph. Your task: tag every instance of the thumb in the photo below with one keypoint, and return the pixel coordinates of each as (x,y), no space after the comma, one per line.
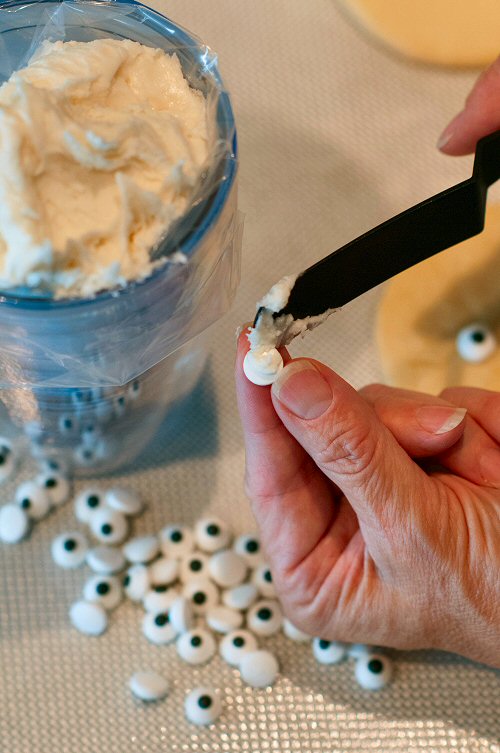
(348,442)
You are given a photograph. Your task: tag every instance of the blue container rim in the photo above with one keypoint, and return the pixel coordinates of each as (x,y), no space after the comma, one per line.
(216,205)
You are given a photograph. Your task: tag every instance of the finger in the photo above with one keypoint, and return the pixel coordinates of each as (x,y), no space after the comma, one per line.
(348,442)
(482,405)
(423,425)
(480,116)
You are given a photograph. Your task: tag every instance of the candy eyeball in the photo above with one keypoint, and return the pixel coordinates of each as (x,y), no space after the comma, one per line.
(235,644)
(57,486)
(124,500)
(476,343)
(259,669)
(240,597)
(7,459)
(227,568)
(181,615)
(108,526)
(158,629)
(202,706)
(104,590)
(164,570)
(134,389)
(265,617)
(195,565)
(88,618)
(160,598)
(212,534)
(69,549)
(262,578)
(33,499)
(329,652)
(373,671)
(196,646)
(249,547)
(14,524)
(54,464)
(136,582)
(87,502)
(223,619)
(294,633)
(120,405)
(81,398)
(105,560)
(149,686)
(141,549)
(85,456)
(202,593)
(68,425)
(176,541)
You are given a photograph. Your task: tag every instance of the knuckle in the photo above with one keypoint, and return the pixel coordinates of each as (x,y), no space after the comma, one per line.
(348,451)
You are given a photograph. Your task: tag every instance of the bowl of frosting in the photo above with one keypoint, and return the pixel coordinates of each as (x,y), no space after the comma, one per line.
(119,230)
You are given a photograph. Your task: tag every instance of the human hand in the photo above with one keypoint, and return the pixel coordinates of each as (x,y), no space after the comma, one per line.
(480,116)
(365,545)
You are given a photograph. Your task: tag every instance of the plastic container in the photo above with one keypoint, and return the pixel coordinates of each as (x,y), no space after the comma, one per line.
(93,378)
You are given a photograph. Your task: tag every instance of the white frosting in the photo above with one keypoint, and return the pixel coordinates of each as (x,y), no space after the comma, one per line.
(262,366)
(101,144)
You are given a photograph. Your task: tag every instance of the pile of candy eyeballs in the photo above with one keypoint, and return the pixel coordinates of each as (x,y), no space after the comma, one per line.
(194,584)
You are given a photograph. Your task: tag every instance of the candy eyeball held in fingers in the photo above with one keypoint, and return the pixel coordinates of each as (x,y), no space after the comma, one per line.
(262,578)
(196,646)
(158,629)
(212,534)
(14,524)
(263,365)
(476,343)
(259,668)
(176,541)
(33,499)
(329,652)
(57,486)
(265,617)
(373,671)
(7,459)
(235,644)
(106,560)
(136,582)
(88,618)
(109,526)
(124,500)
(202,593)
(227,568)
(249,547)
(148,686)
(87,502)
(69,550)
(202,706)
(104,590)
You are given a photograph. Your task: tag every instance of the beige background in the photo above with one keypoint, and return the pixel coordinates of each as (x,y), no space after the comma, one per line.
(336,135)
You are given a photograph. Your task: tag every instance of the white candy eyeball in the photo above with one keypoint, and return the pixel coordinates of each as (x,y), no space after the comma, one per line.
(69,550)
(293,632)
(164,570)
(202,706)
(81,397)
(140,549)
(265,617)
(259,669)
(87,618)
(223,619)
(202,593)
(57,487)
(176,541)
(212,534)
(7,459)
(14,524)
(136,582)
(373,671)
(160,598)
(240,597)
(476,343)
(33,499)
(357,650)
(181,615)
(196,646)
(104,590)
(262,366)
(148,686)
(249,547)
(87,502)
(157,628)
(120,405)
(125,501)
(235,644)
(262,578)
(195,565)
(134,389)
(54,464)
(90,434)
(85,456)
(227,568)
(109,526)
(105,560)
(68,424)
(329,652)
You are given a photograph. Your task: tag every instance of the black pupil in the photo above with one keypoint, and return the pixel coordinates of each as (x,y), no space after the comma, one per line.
(93,500)
(121,400)
(26,502)
(252,546)
(238,642)
(195,565)
(268,577)
(196,641)
(2,458)
(161,589)
(375,666)
(102,589)
(324,644)
(199,597)
(204,702)
(69,545)
(264,614)
(213,530)
(50,483)
(478,336)
(176,536)
(135,386)
(106,529)
(68,423)
(126,581)
(161,619)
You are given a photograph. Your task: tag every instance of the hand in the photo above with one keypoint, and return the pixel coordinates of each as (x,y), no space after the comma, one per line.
(365,545)
(480,116)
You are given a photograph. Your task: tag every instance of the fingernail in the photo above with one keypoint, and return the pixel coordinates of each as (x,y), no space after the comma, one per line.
(489,462)
(450,131)
(303,390)
(438,419)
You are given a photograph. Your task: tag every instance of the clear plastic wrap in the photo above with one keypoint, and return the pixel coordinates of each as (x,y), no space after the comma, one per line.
(53,349)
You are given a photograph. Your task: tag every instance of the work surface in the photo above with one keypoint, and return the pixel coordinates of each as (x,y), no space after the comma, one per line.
(336,135)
